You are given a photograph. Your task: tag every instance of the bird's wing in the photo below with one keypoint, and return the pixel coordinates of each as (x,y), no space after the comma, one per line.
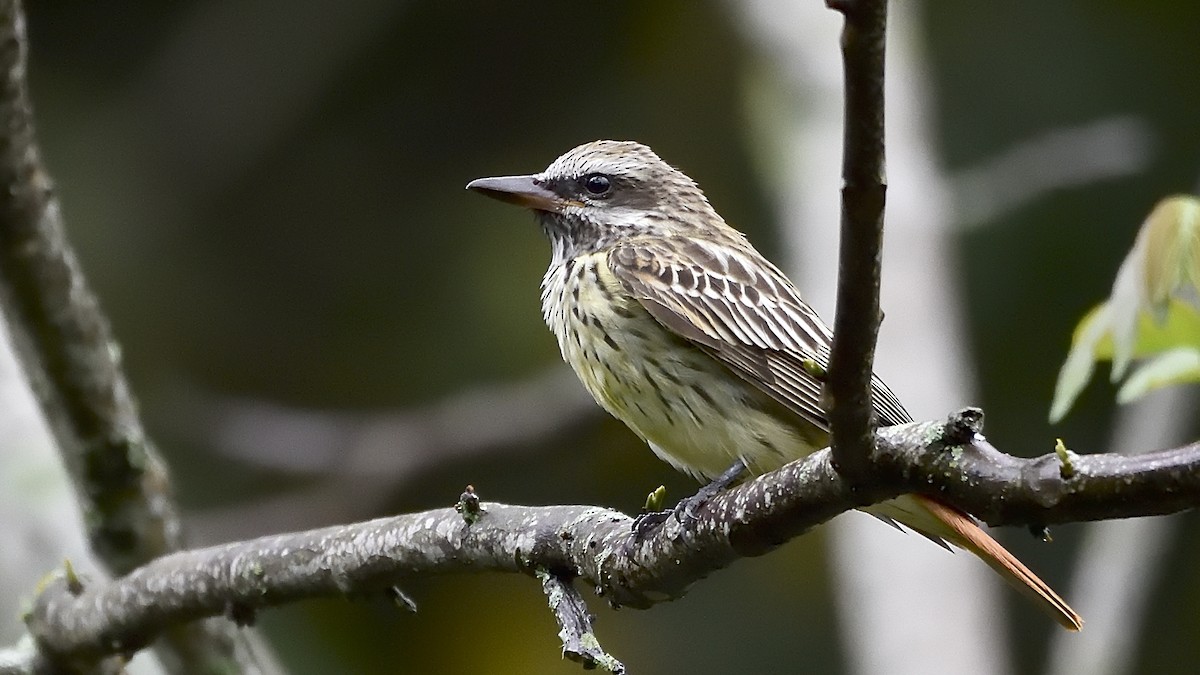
(739,308)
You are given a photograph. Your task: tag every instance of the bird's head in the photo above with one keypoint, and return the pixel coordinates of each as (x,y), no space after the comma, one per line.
(605,192)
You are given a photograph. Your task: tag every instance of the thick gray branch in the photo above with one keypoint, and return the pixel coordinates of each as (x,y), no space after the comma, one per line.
(594,544)
(864,191)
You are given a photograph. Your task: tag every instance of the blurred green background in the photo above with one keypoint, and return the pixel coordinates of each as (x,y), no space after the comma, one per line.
(268,198)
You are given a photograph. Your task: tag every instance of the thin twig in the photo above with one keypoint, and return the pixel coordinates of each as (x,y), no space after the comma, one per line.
(575,624)
(864,191)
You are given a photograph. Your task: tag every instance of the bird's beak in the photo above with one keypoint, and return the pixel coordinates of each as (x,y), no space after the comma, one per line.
(519,190)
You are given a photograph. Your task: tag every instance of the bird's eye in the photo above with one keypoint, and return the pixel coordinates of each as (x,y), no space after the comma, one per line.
(597,184)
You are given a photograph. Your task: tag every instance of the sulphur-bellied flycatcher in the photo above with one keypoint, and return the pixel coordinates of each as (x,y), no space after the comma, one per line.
(683,331)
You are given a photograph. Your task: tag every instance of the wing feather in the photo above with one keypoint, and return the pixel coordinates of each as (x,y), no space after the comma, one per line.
(739,308)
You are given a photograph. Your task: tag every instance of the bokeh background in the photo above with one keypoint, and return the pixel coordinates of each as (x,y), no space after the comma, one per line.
(323,326)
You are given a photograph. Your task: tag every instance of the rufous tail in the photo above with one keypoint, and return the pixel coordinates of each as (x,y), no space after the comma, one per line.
(968,535)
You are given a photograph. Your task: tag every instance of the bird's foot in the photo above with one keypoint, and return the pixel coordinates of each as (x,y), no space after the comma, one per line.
(688,508)
(647,522)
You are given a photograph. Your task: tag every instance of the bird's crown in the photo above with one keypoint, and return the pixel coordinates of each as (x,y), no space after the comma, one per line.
(618,171)
(614,190)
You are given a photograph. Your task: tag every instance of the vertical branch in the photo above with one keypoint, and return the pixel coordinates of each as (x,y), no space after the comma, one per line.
(67,352)
(64,343)
(856,326)
(957,630)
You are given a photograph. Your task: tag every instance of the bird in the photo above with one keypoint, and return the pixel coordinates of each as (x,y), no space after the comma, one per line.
(681,329)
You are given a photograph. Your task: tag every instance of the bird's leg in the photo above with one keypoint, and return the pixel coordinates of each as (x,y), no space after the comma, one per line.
(646,523)
(687,507)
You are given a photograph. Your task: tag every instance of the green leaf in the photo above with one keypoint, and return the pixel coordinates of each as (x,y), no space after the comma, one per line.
(1094,330)
(1154,308)
(1175,366)
(1172,248)
(1162,266)
(1179,326)
(1093,342)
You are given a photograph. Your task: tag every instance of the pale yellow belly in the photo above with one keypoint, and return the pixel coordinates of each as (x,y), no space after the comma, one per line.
(695,413)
